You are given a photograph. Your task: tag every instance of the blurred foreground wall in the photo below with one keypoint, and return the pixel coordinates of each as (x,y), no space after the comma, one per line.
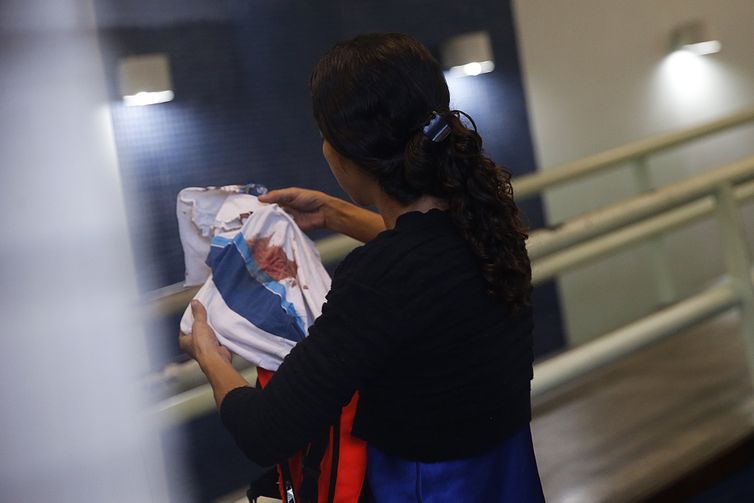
(71,417)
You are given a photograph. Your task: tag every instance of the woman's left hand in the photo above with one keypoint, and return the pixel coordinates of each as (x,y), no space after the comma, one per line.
(202,343)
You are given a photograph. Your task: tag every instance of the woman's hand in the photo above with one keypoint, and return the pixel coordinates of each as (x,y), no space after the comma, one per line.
(312,210)
(202,344)
(307,207)
(214,359)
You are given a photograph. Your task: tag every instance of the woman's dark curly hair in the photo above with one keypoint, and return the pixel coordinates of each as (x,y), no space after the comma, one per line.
(371,97)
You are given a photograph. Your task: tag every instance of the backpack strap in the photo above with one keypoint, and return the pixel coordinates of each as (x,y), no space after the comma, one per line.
(311,470)
(335,460)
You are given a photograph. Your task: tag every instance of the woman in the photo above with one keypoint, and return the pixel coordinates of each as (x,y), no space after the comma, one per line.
(429,321)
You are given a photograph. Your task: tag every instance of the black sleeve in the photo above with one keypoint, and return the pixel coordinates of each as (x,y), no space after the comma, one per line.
(347,345)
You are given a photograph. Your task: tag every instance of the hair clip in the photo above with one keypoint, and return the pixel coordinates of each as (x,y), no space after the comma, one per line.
(437,128)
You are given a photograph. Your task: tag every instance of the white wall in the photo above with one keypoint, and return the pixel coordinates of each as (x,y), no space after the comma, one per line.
(598,75)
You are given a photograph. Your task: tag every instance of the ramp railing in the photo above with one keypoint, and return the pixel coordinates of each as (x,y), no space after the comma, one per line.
(717,193)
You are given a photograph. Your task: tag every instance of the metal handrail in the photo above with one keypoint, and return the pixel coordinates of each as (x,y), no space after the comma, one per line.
(546,241)
(609,347)
(530,185)
(190,403)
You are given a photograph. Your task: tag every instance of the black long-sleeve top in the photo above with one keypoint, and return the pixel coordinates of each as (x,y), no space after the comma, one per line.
(443,370)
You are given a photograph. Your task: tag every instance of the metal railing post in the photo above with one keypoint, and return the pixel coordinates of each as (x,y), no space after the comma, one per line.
(663,279)
(738,263)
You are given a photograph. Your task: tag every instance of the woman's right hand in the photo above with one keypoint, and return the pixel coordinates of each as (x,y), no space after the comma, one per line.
(307,207)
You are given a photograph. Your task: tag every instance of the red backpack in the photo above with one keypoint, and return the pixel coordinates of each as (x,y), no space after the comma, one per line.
(329,470)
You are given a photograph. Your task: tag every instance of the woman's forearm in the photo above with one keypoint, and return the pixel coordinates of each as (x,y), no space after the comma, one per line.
(221,376)
(354,221)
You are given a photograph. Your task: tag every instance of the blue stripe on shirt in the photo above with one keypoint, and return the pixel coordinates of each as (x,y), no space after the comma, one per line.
(237,278)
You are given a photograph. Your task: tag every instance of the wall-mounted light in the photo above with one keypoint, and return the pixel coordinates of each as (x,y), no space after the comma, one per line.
(145,79)
(468,54)
(692,37)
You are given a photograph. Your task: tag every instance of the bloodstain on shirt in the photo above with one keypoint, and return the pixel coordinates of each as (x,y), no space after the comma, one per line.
(272,259)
